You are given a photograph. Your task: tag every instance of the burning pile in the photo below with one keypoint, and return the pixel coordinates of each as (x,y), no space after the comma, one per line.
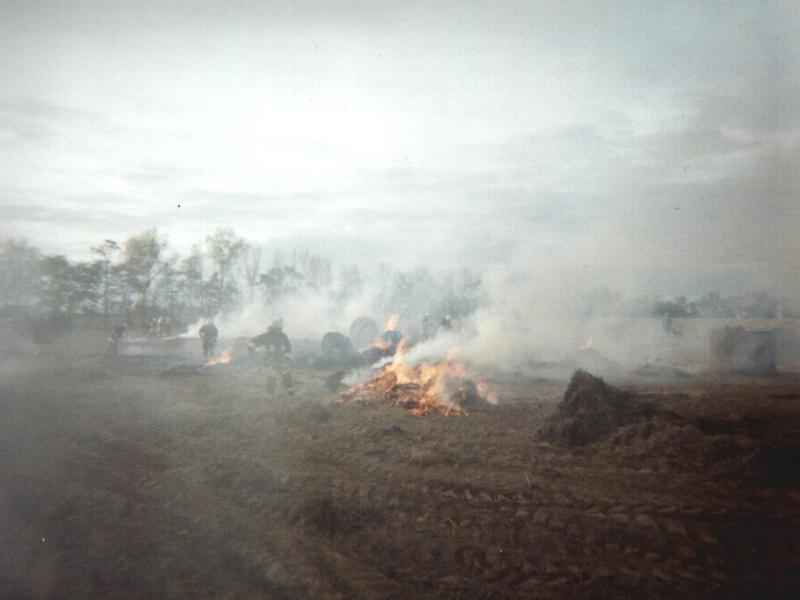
(222,359)
(424,388)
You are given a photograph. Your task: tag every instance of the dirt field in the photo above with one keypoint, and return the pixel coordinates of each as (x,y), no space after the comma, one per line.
(119,482)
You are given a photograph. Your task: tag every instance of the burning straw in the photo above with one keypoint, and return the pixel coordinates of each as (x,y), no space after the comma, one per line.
(441,387)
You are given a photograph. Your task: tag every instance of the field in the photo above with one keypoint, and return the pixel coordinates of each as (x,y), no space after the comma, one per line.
(122,479)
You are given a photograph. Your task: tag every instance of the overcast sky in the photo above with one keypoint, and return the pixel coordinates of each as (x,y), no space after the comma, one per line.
(653,137)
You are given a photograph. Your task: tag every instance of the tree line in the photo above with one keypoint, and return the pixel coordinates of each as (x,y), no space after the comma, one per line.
(142,278)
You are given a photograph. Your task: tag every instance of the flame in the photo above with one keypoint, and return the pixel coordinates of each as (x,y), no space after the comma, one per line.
(381,343)
(222,359)
(422,388)
(485,392)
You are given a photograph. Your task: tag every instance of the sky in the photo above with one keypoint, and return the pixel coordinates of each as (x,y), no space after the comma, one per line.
(655,143)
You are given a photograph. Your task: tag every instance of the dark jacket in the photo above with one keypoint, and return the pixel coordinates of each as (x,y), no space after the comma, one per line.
(209,332)
(274,340)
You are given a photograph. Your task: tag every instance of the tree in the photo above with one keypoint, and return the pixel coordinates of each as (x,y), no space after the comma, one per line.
(143,264)
(317,271)
(279,282)
(87,284)
(19,272)
(191,281)
(56,284)
(224,249)
(106,251)
(251,267)
(168,288)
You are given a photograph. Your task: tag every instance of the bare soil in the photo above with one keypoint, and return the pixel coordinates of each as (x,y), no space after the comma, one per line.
(119,481)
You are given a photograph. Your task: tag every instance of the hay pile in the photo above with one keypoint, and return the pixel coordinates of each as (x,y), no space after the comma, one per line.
(592,410)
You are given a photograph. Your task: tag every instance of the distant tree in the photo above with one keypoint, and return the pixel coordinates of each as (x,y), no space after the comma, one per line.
(191,282)
(252,267)
(351,281)
(19,272)
(120,296)
(143,259)
(87,288)
(280,282)
(106,252)
(57,285)
(224,248)
(211,296)
(167,295)
(68,288)
(675,309)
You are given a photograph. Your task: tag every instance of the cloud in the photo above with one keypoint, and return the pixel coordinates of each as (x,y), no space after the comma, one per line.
(637,138)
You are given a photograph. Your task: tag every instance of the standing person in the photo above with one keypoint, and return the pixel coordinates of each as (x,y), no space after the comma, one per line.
(208,335)
(278,356)
(117,333)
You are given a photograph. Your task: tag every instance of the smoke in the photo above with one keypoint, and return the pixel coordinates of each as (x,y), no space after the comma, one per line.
(307,314)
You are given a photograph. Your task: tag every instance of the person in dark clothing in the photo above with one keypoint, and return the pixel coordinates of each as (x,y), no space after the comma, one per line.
(208,336)
(278,360)
(392,339)
(117,333)
(274,341)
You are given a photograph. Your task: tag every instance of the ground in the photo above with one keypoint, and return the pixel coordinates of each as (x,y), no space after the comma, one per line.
(120,480)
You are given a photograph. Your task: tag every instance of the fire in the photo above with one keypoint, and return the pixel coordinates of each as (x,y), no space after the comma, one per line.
(424,388)
(222,359)
(391,339)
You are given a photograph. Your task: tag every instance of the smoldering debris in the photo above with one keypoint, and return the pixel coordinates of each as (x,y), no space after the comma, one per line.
(742,350)
(591,410)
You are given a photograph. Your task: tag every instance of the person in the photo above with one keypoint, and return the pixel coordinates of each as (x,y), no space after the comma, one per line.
(208,335)
(274,341)
(278,350)
(117,332)
(392,339)
(337,347)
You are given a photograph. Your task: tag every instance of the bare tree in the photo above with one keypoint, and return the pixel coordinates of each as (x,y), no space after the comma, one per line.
(143,263)
(252,268)
(224,249)
(106,251)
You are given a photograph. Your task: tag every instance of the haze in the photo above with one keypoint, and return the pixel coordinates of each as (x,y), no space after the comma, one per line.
(654,143)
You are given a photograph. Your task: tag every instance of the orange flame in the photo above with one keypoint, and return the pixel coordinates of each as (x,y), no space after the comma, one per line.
(222,359)
(423,388)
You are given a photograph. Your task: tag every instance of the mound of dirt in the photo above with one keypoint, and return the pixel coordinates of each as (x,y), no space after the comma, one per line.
(658,437)
(592,410)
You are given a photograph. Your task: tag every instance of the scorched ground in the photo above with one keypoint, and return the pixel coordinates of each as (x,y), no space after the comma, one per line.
(119,482)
